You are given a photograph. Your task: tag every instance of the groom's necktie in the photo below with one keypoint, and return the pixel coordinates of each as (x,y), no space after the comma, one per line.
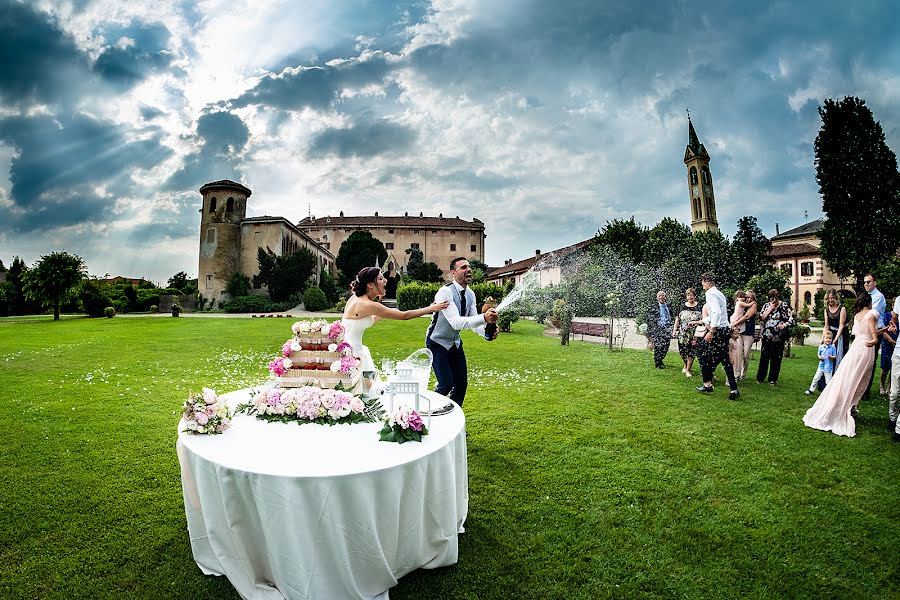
(462,304)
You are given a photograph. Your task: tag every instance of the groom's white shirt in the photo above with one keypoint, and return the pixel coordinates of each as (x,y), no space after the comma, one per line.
(717,313)
(445,330)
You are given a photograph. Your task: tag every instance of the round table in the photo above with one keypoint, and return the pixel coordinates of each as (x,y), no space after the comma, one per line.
(316,511)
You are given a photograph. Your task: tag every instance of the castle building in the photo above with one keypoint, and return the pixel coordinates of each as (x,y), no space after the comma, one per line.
(229,241)
(700,184)
(441,239)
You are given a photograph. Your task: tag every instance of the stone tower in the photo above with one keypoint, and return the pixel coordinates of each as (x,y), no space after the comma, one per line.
(223,208)
(700,185)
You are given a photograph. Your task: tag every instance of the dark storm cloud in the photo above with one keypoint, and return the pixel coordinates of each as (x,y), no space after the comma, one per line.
(362,140)
(38,62)
(314,87)
(223,137)
(125,66)
(59,163)
(149,113)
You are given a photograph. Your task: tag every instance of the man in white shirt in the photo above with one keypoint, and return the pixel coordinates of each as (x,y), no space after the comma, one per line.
(714,345)
(894,402)
(879,304)
(448,358)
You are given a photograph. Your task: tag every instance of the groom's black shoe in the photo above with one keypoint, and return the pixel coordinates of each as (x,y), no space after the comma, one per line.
(705,389)
(892,425)
(734,395)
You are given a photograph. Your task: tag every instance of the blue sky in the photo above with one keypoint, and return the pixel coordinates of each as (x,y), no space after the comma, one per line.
(543,119)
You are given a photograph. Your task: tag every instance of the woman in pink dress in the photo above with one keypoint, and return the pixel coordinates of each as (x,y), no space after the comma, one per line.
(832,411)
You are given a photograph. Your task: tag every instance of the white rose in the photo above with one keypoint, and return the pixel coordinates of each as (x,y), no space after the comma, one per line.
(336,366)
(332,347)
(344,410)
(334,413)
(287,363)
(295,346)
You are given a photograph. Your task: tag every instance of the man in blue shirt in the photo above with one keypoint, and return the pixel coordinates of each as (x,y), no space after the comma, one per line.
(659,328)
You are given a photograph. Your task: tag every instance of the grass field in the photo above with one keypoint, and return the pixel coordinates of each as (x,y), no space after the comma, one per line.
(592,475)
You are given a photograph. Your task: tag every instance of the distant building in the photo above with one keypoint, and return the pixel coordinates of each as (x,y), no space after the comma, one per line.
(700,184)
(547,267)
(441,239)
(796,253)
(229,241)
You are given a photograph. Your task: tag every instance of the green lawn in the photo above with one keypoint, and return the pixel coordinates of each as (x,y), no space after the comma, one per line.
(591,474)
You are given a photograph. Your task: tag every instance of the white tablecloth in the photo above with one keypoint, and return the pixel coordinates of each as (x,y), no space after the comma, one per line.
(312,511)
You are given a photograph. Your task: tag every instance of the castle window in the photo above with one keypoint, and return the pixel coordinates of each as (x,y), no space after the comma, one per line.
(697,215)
(693,175)
(452,247)
(806,269)
(472,248)
(389,246)
(787,269)
(209,282)
(229,205)
(453,232)
(433,231)
(211,235)
(391,231)
(414,246)
(212,204)
(415,232)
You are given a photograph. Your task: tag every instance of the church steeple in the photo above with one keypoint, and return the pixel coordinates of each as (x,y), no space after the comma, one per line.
(700,186)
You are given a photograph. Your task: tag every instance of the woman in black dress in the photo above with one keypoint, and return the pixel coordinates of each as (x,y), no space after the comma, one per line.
(836,321)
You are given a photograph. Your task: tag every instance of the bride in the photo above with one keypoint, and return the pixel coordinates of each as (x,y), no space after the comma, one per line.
(363,309)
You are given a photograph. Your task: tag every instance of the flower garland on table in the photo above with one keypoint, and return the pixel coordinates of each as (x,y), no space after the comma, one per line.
(205,413)
(403,425)
(311,404)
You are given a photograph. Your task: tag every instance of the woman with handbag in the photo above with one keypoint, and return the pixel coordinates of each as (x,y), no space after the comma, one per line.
(777,318)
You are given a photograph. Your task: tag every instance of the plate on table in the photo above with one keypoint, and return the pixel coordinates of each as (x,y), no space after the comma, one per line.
(443,410)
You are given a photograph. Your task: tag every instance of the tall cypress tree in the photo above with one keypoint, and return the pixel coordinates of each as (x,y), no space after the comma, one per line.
(860,186)
(750,250)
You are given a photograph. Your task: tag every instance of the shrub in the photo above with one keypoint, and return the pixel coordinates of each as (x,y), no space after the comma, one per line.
(541,313)
(176,309)
(110,312)
(329,286)
(238,285)
(819,305)
(415,294)
(314,299)
(154,308)
(93,298)
(506,319)
(246,304)
(341,305)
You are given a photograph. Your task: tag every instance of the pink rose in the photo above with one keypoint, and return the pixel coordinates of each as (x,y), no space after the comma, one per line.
(415,421)
(202,419)
(286,349)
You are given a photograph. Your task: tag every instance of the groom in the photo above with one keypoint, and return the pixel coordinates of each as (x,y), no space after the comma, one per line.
(449,362)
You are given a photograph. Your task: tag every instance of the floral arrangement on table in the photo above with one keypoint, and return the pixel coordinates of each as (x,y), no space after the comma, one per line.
(403,425)
(205,413)
(310,404)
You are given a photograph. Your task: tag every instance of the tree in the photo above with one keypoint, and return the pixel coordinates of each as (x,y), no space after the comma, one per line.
(93,295)
(712,252)
(749,250)
(329,286)
(479,270)
(238,285)
(131,295)
(667,240)
(2,268)
(178,280)
(419,270)
(18,303)
(860,187)
(285,276)
(627,238)
(768,280)
(54,278)
(361,249)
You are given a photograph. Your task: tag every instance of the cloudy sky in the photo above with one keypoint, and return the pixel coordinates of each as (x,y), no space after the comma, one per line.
(543,119)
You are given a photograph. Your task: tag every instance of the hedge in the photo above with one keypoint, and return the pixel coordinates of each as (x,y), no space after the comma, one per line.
(416,294)
(314,300)
(246,304)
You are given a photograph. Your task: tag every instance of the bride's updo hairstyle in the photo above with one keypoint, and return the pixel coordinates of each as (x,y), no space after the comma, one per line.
(366,276)
(863,301)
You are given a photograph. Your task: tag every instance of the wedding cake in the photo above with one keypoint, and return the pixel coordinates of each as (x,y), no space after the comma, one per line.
(317,355)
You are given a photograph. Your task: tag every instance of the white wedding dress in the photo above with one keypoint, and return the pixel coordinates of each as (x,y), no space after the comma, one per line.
(353,334)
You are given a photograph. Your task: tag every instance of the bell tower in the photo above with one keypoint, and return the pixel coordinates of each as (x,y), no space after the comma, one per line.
(700,184)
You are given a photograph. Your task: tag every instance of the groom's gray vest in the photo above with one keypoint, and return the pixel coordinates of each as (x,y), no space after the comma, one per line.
(440,330)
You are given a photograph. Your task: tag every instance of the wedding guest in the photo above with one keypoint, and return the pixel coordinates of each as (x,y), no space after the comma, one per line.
(683,330)
(836,322)
(714,346)
(777,319)
(749,334)
(738,324)
(826,355)
(835,408)
(894,398)
(888,344)
(659,326)
(878,305)
(442,338)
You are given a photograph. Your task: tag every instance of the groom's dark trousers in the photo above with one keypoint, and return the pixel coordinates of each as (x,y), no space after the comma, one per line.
(450,369)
